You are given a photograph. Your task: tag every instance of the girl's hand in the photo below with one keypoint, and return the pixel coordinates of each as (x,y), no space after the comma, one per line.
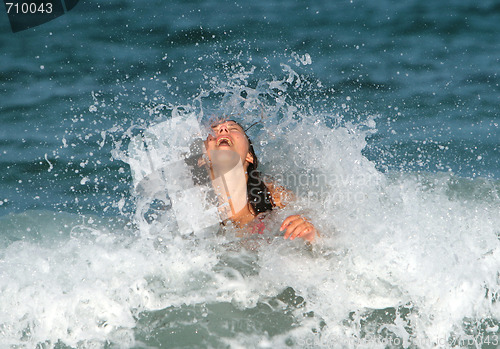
(298,226)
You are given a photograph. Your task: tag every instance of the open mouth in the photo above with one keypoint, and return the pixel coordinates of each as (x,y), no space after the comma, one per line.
(224,141)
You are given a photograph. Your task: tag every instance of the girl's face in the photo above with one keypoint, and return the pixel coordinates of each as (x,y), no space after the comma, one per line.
(229,135)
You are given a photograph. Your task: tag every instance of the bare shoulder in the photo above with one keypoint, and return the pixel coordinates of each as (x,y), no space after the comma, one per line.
(279,194)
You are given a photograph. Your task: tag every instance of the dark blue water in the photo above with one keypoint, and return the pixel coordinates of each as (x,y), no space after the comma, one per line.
(430,71)
(74,90)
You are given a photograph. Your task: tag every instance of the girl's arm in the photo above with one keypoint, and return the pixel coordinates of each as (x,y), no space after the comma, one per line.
(280,196)
(295,226)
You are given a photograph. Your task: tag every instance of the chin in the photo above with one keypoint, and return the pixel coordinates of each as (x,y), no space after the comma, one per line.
(225,157)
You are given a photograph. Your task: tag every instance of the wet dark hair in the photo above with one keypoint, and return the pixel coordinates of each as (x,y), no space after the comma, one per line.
(259,196)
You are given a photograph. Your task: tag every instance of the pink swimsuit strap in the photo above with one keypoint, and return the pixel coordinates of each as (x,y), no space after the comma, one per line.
(258,225)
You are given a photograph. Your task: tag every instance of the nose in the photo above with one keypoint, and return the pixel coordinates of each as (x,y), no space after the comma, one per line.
(222,129)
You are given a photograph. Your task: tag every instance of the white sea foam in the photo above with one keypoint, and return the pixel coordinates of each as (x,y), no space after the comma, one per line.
(402,256)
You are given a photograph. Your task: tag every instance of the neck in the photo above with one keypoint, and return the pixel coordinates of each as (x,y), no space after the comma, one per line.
(230,185)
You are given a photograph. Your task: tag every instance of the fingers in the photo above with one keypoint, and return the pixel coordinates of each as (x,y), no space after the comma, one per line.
(294,228)
(309,235)
(298,226)
(202,161)
(288,220)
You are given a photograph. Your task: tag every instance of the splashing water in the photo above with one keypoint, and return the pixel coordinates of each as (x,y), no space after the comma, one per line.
(404,259)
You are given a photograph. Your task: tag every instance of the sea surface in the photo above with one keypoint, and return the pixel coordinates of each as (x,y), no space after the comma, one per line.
(382,116)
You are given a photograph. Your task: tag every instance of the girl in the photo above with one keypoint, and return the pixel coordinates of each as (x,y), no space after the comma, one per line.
(248,196)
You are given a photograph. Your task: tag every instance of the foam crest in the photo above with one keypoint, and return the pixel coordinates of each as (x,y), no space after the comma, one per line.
(402,256)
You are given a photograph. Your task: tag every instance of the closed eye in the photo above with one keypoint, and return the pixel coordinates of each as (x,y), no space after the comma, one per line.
(230,127)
